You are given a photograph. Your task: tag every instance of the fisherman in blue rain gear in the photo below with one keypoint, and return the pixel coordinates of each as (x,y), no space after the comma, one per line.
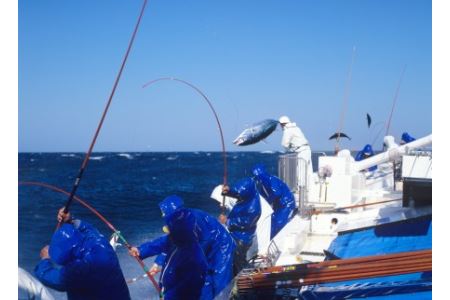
(81,262)
(366,152)
(406,138)
(214,239)
(185,272)
(278,195)
(242,219)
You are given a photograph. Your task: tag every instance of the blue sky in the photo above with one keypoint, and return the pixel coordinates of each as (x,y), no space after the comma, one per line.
(253,59)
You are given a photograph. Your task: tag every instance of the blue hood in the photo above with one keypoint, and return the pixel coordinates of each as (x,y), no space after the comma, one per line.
(407,138)
(243,190)
(243,217)
(367,150)
(170,205)
(260,173)
(182,225)
(259,169)
(63,242)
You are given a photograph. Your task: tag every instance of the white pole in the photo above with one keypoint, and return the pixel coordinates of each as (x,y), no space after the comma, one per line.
(391,154)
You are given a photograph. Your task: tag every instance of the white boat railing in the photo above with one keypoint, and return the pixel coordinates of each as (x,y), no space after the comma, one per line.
(392,154)
(293,170)
(303,183)
(287,170)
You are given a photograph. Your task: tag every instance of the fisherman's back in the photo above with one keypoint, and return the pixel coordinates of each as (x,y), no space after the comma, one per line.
(218,246)
(243,218)
(91,272)
(186,268)
(293,138)
(245,214)
(278,195)
(97,275)
(210,232)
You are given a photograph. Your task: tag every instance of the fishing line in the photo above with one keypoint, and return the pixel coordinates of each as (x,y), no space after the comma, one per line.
(224,153)
(345,100)
(110,226)
(394,101)
(88,154)
(378,133)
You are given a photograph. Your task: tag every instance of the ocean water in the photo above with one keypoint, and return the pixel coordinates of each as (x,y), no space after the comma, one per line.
(126,189)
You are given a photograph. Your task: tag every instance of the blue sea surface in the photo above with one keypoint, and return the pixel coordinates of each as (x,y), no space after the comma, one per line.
(126,189)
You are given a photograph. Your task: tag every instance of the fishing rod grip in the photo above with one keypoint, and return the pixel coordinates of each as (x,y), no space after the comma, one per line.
(72,192)
(146,270)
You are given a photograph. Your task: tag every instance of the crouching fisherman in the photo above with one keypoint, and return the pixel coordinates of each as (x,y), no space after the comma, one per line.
(215,241)
(406,138)
(278,195)
(242,219)
(184,272)
(366,152)
(81,262)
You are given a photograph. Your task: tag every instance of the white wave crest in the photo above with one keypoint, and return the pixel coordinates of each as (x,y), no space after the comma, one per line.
(126,155)
(267,152)
(96,157)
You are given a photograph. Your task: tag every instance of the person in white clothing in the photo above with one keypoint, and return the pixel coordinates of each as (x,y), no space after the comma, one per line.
(294,141)
(31,288)
(389,142)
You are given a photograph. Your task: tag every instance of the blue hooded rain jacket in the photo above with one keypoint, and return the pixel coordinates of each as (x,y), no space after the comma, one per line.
(242,219)
(184,274)
(83,264)
(245,214)
(366,152)
(214,239)
(279,196)
(406,138)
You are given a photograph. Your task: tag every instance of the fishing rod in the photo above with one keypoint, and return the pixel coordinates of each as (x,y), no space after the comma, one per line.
(345,101)
(388,124)
(116,82)
(224,153)
(110,226)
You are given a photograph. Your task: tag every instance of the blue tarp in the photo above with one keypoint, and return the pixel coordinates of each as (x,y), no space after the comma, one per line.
(409,235)
(413,296)
(370,287)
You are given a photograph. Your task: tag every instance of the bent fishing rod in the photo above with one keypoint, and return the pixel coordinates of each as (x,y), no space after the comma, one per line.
(388,124)
(105,111)
(224,153)
(110,226)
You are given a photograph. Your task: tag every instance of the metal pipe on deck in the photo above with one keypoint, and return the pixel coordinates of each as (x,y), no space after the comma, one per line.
(391,154)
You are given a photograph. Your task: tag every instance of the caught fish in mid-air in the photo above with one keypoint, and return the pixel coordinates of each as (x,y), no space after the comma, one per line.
(339,135)
(256,132)
(369,120)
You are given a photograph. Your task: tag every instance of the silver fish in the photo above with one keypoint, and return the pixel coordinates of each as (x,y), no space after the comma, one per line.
(256,132)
